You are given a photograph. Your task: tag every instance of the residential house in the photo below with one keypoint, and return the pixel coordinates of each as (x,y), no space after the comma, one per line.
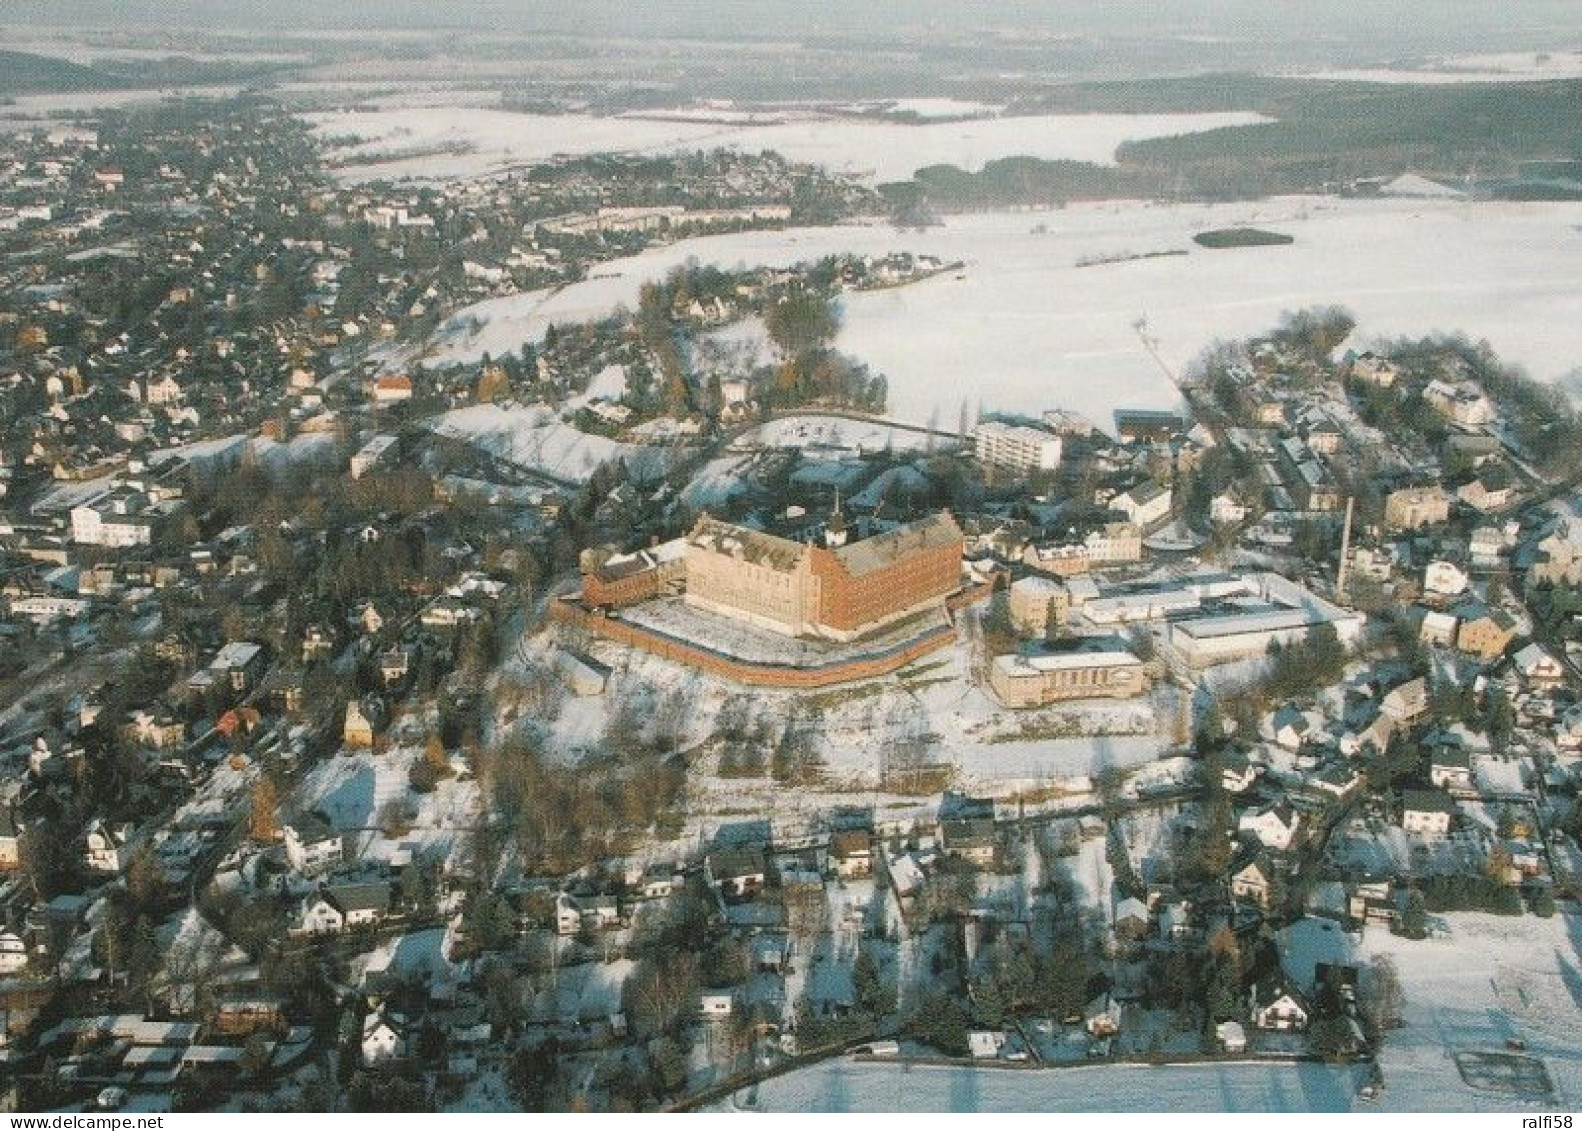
(1488,492)
(369,620)
(382,1040)
(1538,669)
(311,846)
(238,665)
(738,872)
(1407,702)
(155,731)
(104,847)
(1374,370)
(1372,900)
(851,852)
(1486,546)
(392,389)
(715,1007)
(13,959)
(1335,779)
(568,915)
(10,839)
(660,881)
(1145,504)
(1237,773)
(985,1044)
(1556,557)
(1444,579)
(971,838)
(1485,633)
(1101,1017)
(317,643)
(394,664)
(1373,734)
(1132,921)
(1275,827)
(1568,736)
(1462,402)
(1410,508)
(1289,727)
(1225,509)
(1324,437)
(1438,629)
(1278,1005)
(1450,768)
(1427,811)
(345,907)
(1253,881)
(599,912)
(361,725)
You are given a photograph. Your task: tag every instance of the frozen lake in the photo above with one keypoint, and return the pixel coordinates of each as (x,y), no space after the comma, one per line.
(1023,328)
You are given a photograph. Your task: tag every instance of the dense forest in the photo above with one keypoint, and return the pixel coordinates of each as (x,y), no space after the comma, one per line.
(1510,140)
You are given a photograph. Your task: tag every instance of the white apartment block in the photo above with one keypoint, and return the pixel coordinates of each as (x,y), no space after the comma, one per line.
(1016,446)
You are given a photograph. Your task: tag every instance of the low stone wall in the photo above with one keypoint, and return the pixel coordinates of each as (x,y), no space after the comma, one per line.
(572,611)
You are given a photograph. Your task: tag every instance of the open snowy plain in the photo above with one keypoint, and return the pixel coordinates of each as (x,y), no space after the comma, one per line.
(1024,327)
(402,143)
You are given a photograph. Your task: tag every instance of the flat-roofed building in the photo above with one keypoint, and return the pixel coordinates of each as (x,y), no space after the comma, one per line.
(1016,446)
(1032,680)
(1285,613)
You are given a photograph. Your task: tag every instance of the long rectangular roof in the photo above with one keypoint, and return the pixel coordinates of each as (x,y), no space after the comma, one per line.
(886,549)
(740,541)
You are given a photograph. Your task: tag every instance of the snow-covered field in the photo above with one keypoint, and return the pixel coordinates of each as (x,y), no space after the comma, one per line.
(1492,980)
(488,140)
(843,1085)
(1022,328)
(1500,67)
(27,110)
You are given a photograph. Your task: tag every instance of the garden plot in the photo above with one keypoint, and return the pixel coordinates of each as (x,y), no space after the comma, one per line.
(1520,1077)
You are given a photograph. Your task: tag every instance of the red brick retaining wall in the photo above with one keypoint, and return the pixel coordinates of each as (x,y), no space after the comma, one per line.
(570,610)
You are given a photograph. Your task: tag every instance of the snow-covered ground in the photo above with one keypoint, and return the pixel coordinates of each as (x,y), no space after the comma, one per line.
(1492,980)
(1022,328)
(1500,67)
(487,140)
(353,792)
(24,111)
(534,437)
(832,437)
(933,706)
(844,1085)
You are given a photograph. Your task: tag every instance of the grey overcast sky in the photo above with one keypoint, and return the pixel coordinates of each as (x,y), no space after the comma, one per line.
(1391,20)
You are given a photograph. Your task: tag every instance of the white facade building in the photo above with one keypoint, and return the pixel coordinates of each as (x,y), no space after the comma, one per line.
(1016,446)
